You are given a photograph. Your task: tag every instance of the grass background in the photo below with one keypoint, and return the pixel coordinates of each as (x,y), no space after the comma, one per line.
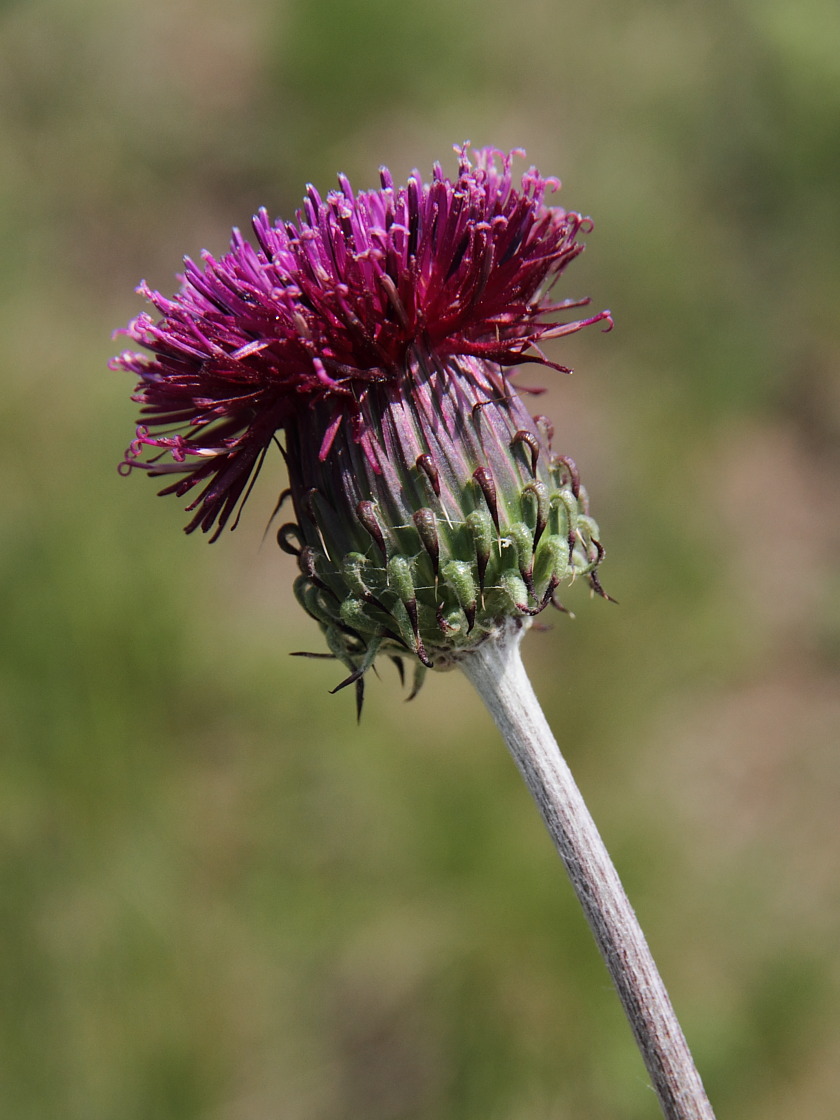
(219,898)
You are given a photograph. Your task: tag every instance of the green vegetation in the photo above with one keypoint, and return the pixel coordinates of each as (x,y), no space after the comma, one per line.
(220,899)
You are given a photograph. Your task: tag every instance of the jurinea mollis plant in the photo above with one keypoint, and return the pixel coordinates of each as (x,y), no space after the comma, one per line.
(377,333)
(373,339)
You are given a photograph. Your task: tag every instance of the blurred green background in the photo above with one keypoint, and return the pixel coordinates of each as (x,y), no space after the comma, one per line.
(220,898)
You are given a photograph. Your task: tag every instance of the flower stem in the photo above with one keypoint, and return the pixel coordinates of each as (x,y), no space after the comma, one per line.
(496,670)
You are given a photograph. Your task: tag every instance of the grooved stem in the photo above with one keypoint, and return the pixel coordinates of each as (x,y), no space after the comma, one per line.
(496,670)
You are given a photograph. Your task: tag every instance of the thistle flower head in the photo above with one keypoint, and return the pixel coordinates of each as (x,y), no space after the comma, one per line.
(375,333)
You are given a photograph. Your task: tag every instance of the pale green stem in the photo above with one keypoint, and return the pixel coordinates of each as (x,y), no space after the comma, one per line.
(496,670)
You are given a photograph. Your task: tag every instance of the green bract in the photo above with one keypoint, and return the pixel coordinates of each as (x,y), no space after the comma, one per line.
(454,516)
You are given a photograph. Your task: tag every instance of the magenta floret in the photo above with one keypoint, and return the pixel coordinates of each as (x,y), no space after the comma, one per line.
(334,302)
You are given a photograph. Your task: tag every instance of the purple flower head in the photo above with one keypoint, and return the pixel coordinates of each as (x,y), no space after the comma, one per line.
(374,332)
(334,302)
